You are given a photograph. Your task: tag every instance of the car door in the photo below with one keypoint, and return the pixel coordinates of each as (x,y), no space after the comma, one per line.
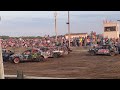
(107,49)
(98,50)
(101,50)
(104,49)
(26,55)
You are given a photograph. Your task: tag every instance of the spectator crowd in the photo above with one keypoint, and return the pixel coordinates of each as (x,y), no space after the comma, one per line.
(91,40)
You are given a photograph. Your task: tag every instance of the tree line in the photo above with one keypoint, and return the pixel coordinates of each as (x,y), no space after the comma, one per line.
(24,37)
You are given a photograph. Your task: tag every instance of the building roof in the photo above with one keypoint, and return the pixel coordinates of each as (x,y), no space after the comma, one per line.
(77,34)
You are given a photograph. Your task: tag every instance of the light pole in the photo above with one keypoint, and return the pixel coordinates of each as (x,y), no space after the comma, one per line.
(55,14)
(1,61)
(68,28)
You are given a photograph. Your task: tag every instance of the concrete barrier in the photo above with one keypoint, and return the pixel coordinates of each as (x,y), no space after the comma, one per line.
(33,77)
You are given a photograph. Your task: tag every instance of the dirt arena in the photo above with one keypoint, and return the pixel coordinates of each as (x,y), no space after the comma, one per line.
(78,64)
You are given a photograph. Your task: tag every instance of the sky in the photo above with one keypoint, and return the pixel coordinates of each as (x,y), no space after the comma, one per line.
(40,23)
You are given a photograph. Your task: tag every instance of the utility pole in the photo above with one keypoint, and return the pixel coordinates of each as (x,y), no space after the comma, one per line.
(55,14)
(68,28)
(1,61)
(118,26)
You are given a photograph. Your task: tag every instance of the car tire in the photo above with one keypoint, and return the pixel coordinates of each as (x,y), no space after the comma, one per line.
(92,53)
(66,52)
(41,58)
(112,53)
(55,55)
(16,60)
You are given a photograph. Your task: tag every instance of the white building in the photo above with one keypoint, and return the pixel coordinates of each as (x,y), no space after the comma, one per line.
(72,35)
(111,29)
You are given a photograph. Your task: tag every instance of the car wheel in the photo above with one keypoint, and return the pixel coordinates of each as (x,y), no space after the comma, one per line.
(16,60)
(66,52)
(92,53)
(55,55)
(112,53)
(42,58)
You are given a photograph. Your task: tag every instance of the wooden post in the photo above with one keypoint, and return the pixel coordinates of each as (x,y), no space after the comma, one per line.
(20,75)
(1,63)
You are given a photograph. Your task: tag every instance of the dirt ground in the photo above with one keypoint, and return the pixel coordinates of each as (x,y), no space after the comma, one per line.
(78,64)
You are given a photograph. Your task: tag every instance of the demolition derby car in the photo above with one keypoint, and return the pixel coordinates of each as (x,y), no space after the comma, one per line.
(104,50)
(28,55)
(54,52)
(51,52)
